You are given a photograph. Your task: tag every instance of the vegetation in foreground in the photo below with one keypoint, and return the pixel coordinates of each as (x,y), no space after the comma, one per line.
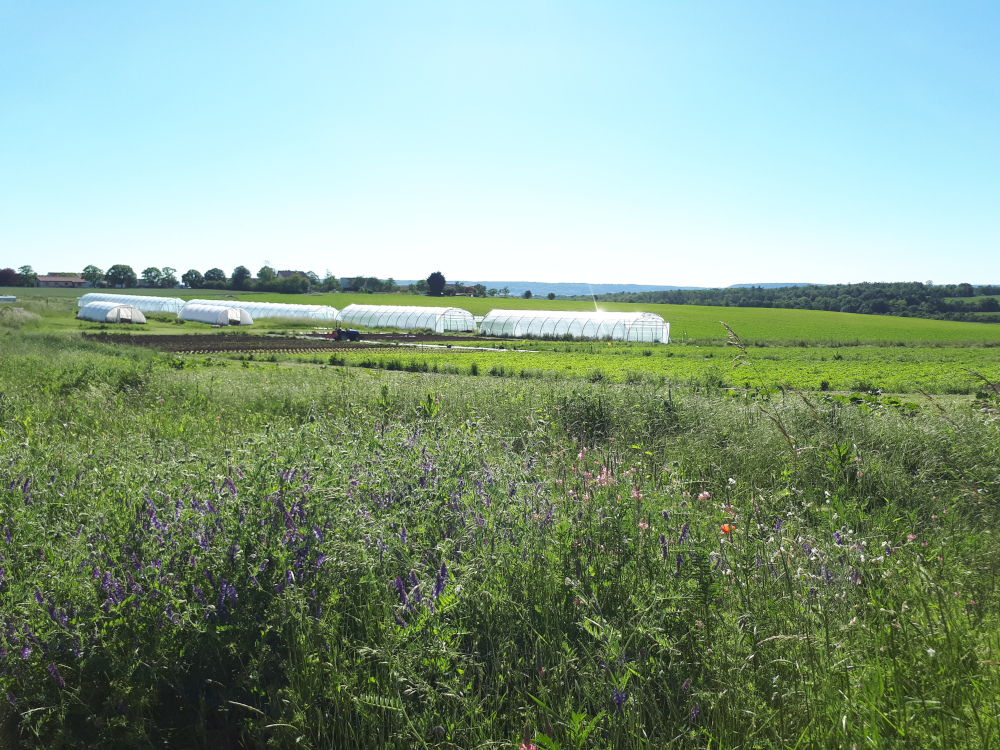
(257,556)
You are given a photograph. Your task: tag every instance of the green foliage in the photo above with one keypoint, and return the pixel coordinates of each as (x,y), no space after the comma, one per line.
(435,284)
(121,275)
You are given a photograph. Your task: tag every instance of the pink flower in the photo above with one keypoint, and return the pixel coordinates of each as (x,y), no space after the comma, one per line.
(643,525)
(911,537)
(706,495)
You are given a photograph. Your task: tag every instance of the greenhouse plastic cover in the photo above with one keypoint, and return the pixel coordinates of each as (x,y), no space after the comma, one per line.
(275,309)
(620,326)
(144,302)
(437,319)
(215,315)
(101,311)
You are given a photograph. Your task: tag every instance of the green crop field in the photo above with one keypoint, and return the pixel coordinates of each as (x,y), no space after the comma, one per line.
(687,322)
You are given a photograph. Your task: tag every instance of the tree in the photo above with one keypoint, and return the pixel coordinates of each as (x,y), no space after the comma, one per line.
(93,275)
(241,277)
(527,294)
(216,275)
(479,290)
(435,284)
(193,278)
(491,292)
(505,291)
(420,287)
(168,277)
(9,277)
(331,283)
(28,277)
(152,276)
(313,278)
(551,295)
(266,275)
(121,275)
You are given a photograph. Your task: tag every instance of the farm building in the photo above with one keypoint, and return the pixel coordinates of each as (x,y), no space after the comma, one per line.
(276,309)
(216,315)
(110,312)
(437,319)
(144,302)
(625,326)
(61,280)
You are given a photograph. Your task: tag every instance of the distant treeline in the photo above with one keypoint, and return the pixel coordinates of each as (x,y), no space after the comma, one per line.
(904,298)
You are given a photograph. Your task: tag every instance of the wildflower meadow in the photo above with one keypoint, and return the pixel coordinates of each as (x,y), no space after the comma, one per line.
(213,554)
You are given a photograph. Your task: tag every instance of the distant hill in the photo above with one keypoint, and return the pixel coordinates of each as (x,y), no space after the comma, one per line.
(565,288)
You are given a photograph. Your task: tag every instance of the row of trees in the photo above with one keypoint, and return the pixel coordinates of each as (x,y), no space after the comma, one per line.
(907,299)
(437,286)
(123,276)
(23,276)
(267,280)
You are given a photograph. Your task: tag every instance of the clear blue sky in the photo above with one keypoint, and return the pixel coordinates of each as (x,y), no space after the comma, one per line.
(689,143)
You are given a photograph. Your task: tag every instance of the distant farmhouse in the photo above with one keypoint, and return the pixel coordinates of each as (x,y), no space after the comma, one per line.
(290,274)
(71,280)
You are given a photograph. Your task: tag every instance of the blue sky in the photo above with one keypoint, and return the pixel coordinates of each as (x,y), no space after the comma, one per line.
(644,142)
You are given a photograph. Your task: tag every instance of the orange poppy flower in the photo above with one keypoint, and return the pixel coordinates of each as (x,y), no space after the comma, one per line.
(727,528)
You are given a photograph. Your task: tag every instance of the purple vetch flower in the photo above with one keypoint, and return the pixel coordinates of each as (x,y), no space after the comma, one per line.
(836,537)
(26,652)
(686,686)
(402,591)
(806,548)
(663,546)
(694,712)
(415,582)
(680,561)
(777,525)
(665,514)
(684,533)
(402,534)
(56,676)
(38,597)
(399,620)
(441,581)
(619,698)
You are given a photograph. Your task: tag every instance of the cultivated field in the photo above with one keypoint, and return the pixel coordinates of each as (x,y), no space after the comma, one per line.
(687,322)
(564,544)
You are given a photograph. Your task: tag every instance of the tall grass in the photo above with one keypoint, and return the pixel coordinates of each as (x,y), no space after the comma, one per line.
(261,556)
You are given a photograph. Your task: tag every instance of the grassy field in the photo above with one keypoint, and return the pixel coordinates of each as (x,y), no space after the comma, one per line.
(687,322)
(203,553)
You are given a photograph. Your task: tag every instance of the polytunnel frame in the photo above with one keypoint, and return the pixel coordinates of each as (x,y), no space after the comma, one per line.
(143,302)
(98,311)
(620,326)
(198,313)
(275,309)
(439,319)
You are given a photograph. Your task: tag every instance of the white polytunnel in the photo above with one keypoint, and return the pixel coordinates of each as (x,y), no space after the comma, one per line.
(144,302)
(110,312)
(437,319)
(275,309)
(621,326)
(215,315)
